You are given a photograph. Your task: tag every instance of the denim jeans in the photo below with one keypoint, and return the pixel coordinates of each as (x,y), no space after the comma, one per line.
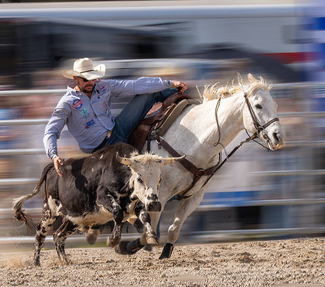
(133,113)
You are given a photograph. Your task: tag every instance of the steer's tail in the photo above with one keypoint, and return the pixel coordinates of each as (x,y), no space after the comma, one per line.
(18,202)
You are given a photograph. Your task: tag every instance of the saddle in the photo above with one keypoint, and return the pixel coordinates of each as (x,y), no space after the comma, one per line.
(159,118)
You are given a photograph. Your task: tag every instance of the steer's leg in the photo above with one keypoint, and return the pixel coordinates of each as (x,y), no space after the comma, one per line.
(67,228)
(42,230)
(148,236)
(105,198)
(136,222)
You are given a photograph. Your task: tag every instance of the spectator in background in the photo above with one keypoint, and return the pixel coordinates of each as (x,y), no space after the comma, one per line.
(7,136)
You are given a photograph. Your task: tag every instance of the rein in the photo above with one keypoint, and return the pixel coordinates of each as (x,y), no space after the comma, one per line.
(197,172)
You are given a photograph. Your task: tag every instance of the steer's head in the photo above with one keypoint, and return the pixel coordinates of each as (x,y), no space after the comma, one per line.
(145,180)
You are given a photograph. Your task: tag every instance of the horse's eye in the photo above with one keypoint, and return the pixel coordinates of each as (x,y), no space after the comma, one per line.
(140,180)
(258,106)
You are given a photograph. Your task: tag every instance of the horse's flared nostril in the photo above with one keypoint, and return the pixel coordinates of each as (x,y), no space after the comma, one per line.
(276,137)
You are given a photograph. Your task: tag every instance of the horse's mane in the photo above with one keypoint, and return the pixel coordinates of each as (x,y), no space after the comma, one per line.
(213,92)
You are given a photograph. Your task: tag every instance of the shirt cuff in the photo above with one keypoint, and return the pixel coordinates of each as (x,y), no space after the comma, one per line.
(168,84)
(53,155)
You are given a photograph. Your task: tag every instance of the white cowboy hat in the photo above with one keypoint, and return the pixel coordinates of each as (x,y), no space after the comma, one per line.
(84,68)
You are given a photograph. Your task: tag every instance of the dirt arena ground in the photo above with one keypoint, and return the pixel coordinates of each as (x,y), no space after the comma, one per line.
(294,262)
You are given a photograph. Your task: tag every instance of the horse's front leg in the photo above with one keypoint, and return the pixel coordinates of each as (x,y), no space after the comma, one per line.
(185,208)
(105,199)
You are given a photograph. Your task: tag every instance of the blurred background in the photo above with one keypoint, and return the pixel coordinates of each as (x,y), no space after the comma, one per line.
(257,194)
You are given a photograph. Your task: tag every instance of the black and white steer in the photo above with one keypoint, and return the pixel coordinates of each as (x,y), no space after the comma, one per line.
(95,190)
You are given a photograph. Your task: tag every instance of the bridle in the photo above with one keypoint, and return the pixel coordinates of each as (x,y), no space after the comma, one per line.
(257,125)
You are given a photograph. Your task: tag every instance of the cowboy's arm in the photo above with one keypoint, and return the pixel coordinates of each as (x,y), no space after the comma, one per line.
(53,131)
(143,85)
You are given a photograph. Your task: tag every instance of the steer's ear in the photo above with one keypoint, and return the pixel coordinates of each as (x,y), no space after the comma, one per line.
(172,159)
(123,160)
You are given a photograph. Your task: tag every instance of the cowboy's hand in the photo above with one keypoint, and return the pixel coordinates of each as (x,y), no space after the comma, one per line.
(178,84)
(57,162)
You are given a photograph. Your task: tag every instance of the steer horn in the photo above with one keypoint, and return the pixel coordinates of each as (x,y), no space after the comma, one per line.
(173,159)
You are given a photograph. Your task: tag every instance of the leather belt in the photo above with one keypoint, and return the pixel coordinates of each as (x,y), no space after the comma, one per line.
(108,135)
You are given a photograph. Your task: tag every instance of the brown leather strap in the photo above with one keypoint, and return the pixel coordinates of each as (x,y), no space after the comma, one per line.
(197,172)
(270,122)
(187,164)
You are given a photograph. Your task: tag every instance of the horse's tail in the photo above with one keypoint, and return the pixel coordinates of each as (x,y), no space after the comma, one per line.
(18,202)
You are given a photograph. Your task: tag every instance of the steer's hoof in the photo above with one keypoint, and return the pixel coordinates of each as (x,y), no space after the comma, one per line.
(152,240)
(112,242)
(92,235)
(91,239)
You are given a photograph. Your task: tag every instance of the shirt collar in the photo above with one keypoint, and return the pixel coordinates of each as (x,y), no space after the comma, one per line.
(71,90)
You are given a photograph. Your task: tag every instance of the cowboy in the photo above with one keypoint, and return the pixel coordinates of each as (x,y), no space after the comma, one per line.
(85,108)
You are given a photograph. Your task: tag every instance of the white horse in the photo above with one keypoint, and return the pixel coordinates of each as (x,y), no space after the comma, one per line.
(201,132)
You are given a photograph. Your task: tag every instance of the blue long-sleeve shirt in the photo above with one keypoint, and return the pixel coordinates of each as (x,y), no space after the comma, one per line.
(89,120)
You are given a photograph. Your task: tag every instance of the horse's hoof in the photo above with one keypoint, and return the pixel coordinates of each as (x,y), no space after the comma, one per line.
(167,251)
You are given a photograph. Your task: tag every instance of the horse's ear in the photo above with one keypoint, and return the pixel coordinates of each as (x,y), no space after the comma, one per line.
(123,160)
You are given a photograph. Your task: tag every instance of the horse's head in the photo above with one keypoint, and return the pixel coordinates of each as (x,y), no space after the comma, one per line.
(260,113)
(145,180)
